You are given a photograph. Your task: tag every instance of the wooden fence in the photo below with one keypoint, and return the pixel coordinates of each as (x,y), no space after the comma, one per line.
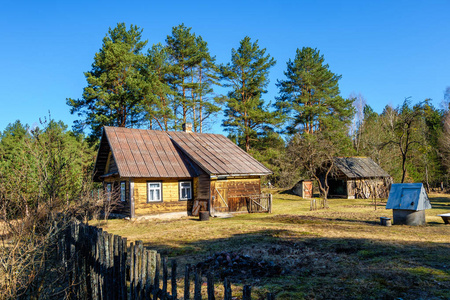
(260,203)
(100,266)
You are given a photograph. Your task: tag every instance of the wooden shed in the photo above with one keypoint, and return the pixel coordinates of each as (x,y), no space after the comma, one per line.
(358,178)
(158,172)
(303,188)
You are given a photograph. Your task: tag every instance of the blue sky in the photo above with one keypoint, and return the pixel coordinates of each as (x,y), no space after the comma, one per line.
(385,50)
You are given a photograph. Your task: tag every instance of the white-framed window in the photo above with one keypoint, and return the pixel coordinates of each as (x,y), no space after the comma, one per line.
(123,191)
(185,190)
(154,191)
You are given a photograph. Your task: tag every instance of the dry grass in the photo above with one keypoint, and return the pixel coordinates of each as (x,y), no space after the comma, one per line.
(340,253)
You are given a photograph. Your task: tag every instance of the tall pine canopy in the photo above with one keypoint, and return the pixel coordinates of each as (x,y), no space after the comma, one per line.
(309,95)
(247,76)
(115,91)
(192,75)
(156,70)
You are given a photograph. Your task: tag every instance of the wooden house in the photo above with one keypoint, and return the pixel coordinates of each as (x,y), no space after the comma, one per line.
(358,178)
(158,172)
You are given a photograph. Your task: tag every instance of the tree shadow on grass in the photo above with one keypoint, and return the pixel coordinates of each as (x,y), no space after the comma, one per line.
(338,268)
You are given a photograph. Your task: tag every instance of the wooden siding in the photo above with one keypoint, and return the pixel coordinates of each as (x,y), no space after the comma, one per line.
(120,207)
(366,188)
(170,197)
(112,166)
(232,194)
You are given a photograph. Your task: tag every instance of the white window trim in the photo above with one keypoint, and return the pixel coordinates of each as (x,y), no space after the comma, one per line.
(160,191)
(180,188)
(124,198)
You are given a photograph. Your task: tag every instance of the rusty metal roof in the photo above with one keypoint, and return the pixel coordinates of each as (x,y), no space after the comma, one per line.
(359,167)
(160,154)
(217,155)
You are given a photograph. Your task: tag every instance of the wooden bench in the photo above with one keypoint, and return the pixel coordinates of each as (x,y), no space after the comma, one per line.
(445,217)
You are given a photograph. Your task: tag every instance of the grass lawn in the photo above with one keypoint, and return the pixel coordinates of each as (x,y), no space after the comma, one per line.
(337,253)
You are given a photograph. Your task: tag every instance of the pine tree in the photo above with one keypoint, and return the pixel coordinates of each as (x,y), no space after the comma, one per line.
(205,72)
(310,94)
(157,72)
(247,76)
(182,50)
(114,94)
(193,74)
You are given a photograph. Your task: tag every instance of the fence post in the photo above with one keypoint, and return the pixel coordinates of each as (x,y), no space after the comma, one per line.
(198,284)
(174,279)
(148,280)
(157,270)
(210,285)
(116,269)
(270,203)
(226,289)
(187,282)
(132,279)
(123,267)
(247,292)
(165,275)
(144,274)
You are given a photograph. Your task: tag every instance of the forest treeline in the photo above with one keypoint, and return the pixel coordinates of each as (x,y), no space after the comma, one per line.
(163,86)
(46,170)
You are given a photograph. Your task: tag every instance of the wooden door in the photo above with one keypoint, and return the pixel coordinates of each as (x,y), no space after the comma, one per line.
(219,190)
(307,189)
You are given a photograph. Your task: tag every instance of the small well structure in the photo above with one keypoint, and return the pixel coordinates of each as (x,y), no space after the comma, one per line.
(303,188)
(408,202)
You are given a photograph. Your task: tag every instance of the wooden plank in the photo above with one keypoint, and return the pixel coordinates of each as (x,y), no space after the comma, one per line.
(227,290)
(198,284)
(173,275)
(210,285)
(187,282)
(132,199)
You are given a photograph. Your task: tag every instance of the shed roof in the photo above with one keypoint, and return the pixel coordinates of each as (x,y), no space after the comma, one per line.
(160,154)
(408,196)
(359,167)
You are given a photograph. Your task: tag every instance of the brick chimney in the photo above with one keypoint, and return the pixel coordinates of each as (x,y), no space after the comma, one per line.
(187,127)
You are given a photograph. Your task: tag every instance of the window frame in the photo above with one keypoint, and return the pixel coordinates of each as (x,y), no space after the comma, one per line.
(160,191)
(180,188)
(124,199)
(108,190)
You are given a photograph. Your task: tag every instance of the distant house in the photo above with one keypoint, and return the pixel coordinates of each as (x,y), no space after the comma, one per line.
(157,172)
(357,178)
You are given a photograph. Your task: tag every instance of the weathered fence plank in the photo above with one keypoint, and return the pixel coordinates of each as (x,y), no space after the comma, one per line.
(98,262)
(187,288)
(173,275)
(210,285)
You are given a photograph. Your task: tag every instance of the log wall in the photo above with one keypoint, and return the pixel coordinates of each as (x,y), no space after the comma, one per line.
(170,197)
